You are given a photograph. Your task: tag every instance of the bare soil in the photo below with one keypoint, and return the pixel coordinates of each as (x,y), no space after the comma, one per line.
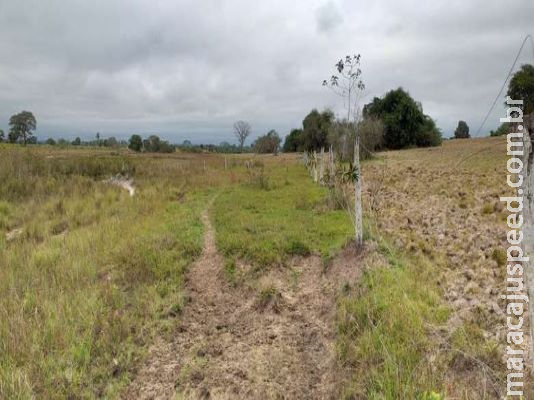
(234,341)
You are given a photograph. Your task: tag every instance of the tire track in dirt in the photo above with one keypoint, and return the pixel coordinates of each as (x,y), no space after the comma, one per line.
(230,346)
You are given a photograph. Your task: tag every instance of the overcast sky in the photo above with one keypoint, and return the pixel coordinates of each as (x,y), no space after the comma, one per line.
(189,69)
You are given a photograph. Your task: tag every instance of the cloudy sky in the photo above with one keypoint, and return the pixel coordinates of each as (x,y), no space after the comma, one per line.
(187,69)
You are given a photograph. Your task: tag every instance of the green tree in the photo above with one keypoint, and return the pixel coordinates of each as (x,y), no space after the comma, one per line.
(503,129)
(405,124)
(269,143)
(166,147)
(293,141)
(152,144)
(135,143)
(521,87)
(462,130)
(2,136)
(315,127)
(50,142)
(77,142)
(428,134)
(22,126)
(111,142)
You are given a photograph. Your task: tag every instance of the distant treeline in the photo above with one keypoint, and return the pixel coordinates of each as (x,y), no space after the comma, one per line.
(105,142)
(223,147)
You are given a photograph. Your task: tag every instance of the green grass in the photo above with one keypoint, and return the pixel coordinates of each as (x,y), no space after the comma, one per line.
(94,274)
(267,224)
(384,327)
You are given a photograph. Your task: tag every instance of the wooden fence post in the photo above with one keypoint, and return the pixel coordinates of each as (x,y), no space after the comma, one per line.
(321,167)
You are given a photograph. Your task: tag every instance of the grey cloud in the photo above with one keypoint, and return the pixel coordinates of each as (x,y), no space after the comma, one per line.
(328,17)
(188,69)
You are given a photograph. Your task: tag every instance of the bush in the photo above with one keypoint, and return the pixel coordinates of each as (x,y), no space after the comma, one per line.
(268,143)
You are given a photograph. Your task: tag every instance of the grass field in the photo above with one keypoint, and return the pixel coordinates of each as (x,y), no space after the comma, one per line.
(90,276)
(93,273)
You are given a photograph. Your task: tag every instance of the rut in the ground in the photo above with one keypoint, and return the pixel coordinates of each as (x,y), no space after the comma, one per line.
(227,346)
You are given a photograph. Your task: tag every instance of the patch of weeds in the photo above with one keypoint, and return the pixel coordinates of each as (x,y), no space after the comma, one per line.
(487,208)
(295,275)
(471,350)
(326,260)
(431,395)
(259,179)
(176,308)
(269,297)
(230,272)
(499,255)
(390,253)
(193,372)
(383,329)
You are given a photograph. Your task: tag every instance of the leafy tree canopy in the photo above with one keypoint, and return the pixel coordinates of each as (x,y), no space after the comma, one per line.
(155,145)
(135,143)
(503,129)
(293,141)
(405,124)
(21,127)
(462,130)
(315,127)
(521,87)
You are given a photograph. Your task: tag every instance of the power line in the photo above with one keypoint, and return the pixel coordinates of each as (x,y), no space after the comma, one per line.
(496,99)
(506,80)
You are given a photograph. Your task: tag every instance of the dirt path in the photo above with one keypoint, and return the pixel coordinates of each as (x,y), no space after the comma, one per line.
(244,343)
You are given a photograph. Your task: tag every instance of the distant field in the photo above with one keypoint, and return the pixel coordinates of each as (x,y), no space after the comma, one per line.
(90,276)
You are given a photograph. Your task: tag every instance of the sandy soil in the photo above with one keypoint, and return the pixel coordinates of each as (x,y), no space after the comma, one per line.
(232,345)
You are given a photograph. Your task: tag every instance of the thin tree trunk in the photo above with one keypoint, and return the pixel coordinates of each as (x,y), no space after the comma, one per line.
(358,224)
(528,214)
